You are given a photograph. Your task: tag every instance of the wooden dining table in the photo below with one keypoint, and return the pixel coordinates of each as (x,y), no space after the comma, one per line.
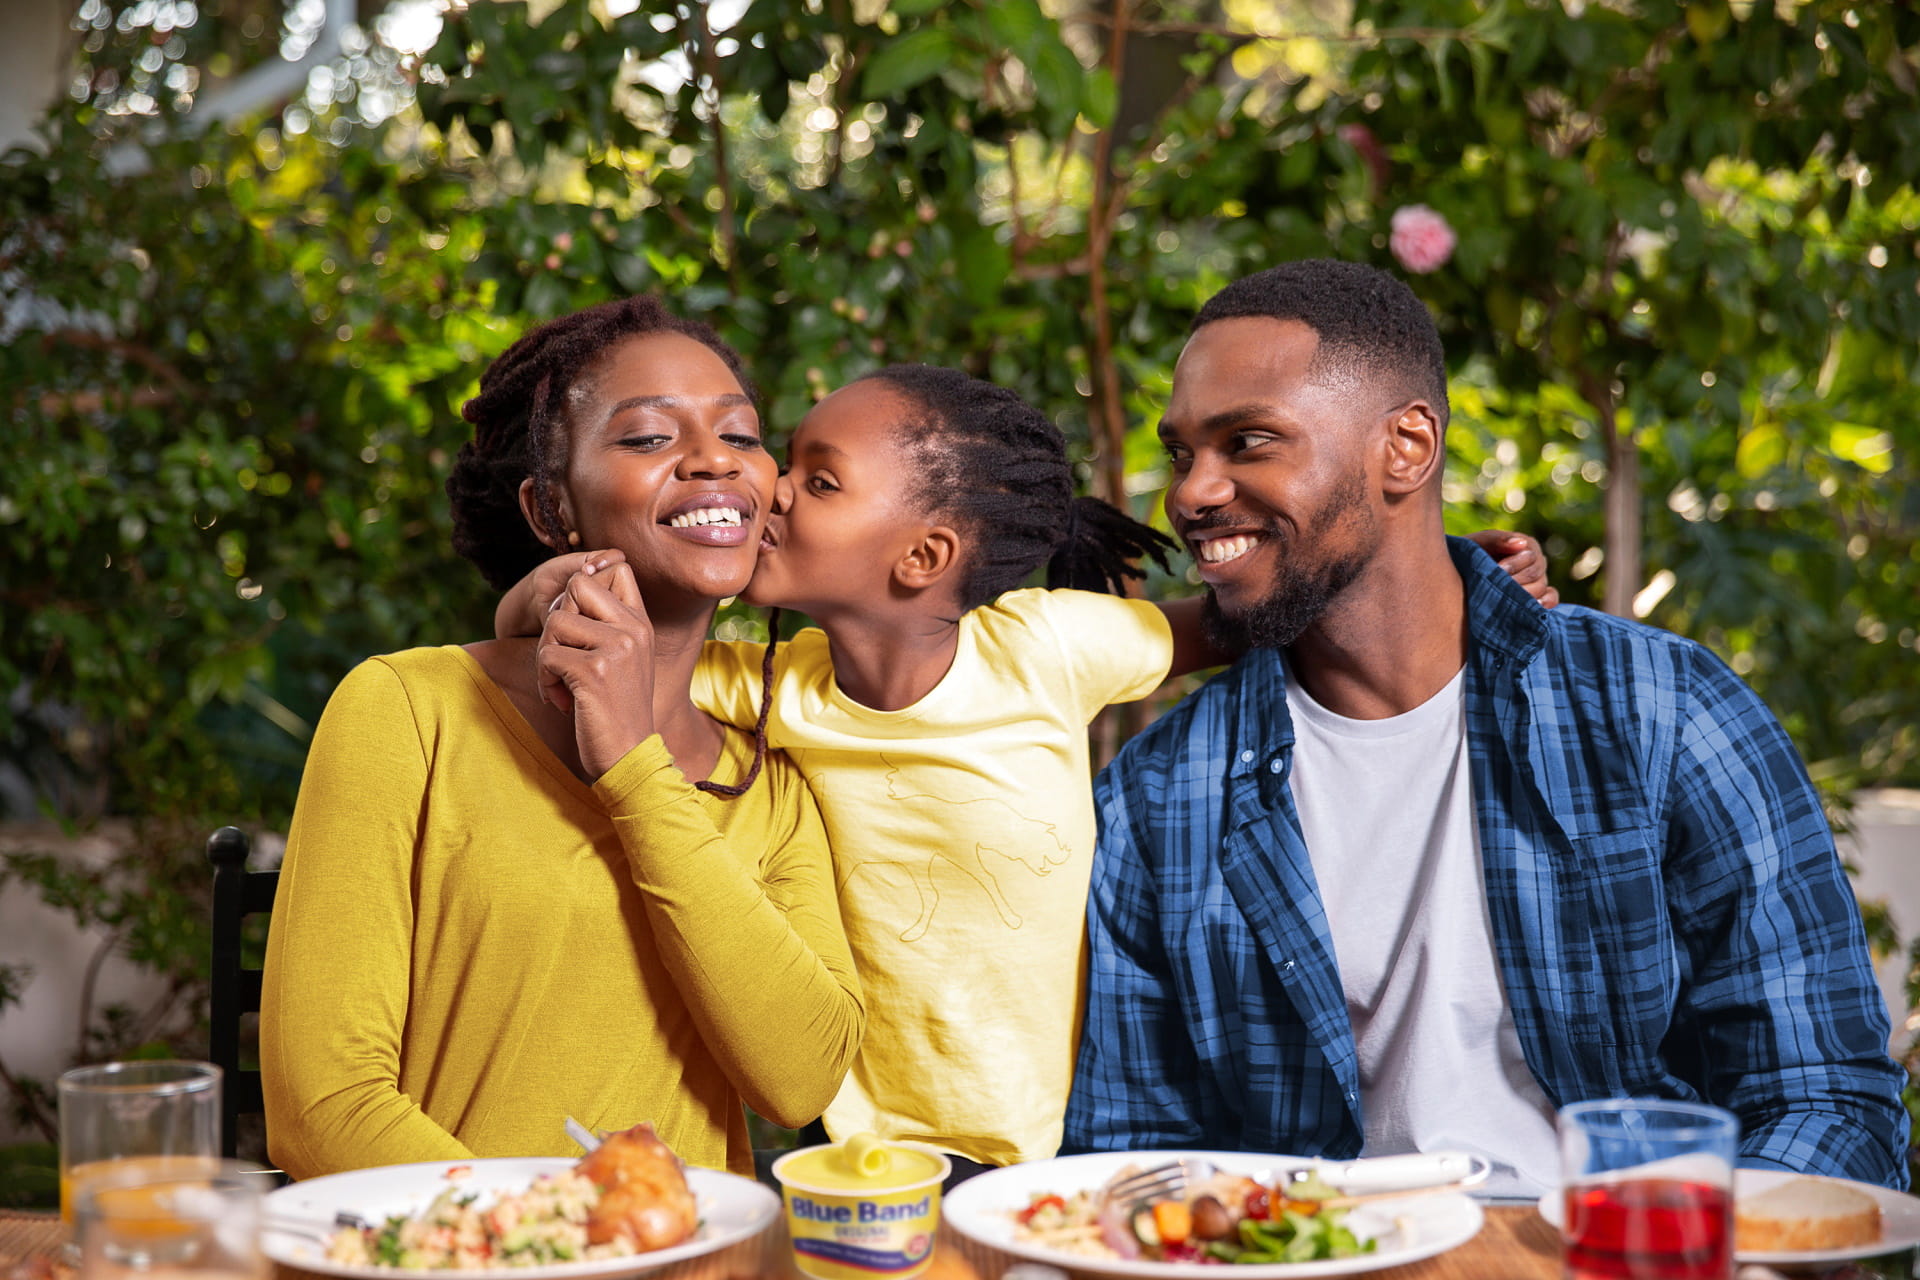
(1514,1243)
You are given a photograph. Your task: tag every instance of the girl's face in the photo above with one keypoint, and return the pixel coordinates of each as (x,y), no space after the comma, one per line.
(843,515)
(665,462)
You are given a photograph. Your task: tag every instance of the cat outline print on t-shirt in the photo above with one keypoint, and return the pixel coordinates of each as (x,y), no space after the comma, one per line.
(980,826)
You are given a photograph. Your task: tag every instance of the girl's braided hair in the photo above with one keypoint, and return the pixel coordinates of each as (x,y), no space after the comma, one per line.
(520,431)
(997,467)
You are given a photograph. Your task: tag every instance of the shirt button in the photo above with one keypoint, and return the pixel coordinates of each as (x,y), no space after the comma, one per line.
(1273,765)
(1246,756)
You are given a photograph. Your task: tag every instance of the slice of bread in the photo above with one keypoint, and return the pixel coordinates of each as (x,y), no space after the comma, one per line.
(1805,1214)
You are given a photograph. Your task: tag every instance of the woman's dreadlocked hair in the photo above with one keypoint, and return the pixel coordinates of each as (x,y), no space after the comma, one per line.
(520,431)
(994,465)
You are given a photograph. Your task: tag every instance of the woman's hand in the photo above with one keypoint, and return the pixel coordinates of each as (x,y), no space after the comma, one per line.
(595,658)
(523,610)
(1523,560)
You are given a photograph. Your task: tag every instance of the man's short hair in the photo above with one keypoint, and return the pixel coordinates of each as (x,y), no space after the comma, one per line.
(1373,331)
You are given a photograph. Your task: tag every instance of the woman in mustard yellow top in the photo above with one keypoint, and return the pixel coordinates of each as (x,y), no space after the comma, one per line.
(499,908)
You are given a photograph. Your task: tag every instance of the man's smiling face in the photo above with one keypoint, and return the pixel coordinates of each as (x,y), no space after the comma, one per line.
(1271,487)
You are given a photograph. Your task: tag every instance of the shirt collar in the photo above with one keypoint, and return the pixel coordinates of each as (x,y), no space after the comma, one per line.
(1262,733)
(1501,617)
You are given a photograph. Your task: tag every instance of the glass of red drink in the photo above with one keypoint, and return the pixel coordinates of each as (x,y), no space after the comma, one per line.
(1648,1189)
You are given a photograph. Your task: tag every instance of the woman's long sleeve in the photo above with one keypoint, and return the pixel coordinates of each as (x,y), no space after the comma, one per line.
(334,998)
(752,936)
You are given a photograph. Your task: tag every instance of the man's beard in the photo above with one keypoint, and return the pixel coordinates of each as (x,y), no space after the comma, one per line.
(1304,585)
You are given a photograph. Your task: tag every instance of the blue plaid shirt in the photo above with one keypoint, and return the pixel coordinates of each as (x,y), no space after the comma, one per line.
(1669,916)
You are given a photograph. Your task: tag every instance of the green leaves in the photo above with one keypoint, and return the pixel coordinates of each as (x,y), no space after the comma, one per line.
(910,60)
(1058,80)
(1101,98)
(239,496)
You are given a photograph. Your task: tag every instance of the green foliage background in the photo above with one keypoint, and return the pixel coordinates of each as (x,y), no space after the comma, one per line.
(1688,276)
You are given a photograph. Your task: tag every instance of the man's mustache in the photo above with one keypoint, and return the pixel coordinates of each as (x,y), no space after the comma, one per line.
(1188,528)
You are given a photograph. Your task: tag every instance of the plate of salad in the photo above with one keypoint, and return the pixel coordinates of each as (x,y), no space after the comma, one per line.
(1057,1212)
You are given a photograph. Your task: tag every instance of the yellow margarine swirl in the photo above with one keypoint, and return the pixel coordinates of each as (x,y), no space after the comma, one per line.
(866,1156)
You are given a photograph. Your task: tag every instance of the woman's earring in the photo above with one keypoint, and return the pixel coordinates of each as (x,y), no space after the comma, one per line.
(573,538)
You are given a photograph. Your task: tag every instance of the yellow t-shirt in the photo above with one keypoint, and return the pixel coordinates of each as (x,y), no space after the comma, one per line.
(470,944)
(962,834)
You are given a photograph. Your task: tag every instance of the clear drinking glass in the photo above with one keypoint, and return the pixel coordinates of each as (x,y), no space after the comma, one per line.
(1648,1190)
(190,1218)
(147,1113)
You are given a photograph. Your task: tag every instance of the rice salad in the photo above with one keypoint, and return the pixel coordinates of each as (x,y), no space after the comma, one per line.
(546,1223)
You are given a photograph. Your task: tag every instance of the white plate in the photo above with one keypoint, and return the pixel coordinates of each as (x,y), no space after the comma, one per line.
(1408,1229)
(1899,1220)
(732,1209)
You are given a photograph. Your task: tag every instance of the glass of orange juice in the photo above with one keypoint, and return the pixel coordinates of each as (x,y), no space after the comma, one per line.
(153,1114)
(170,1218)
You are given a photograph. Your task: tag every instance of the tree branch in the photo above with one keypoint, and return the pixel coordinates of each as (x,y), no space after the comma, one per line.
(679,218)
(1109,416)
(848,69)
(722,178)
(145,357)
(1621,542)
(1100,219)
(153,1022)
(1021,241)
(90,982)
(1078,266)
(1249,37)
(30,1105)
(55,403)
(1045,226)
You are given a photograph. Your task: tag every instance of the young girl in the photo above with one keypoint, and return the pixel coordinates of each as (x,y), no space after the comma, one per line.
(939,712)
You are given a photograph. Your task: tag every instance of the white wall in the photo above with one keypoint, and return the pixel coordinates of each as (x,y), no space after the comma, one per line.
(34,42)
(38,1035)
(1885,852)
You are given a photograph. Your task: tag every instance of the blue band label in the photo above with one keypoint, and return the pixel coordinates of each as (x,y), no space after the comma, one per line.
(881,1261)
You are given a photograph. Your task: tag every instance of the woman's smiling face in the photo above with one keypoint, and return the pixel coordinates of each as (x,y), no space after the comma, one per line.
(665,462)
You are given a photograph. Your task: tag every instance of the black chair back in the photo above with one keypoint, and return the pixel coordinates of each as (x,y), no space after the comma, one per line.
(237,894)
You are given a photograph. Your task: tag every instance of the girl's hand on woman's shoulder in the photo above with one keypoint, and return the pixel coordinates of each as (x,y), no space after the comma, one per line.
(595,658)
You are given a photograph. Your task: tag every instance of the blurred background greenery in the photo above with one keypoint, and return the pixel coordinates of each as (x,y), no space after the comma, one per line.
(1679,283)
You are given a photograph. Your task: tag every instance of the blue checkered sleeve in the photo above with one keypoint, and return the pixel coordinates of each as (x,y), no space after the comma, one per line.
(1779,1010)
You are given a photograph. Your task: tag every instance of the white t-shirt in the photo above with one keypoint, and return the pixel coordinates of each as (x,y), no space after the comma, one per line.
(1386,807)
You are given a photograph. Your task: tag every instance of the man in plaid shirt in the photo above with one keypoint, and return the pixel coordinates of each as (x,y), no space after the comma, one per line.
(1429,862)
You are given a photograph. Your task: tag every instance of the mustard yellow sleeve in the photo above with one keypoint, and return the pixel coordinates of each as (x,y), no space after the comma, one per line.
(749,927)
(334,996)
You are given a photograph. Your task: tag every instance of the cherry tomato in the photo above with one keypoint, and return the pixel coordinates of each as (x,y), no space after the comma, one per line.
(1027,1214)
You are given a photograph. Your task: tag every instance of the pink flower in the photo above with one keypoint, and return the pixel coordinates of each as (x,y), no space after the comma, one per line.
(1421,239)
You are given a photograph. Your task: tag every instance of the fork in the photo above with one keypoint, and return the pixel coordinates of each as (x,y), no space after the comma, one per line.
(316,1230)
(1380,1175)
(1162,1181)
(586,1137)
